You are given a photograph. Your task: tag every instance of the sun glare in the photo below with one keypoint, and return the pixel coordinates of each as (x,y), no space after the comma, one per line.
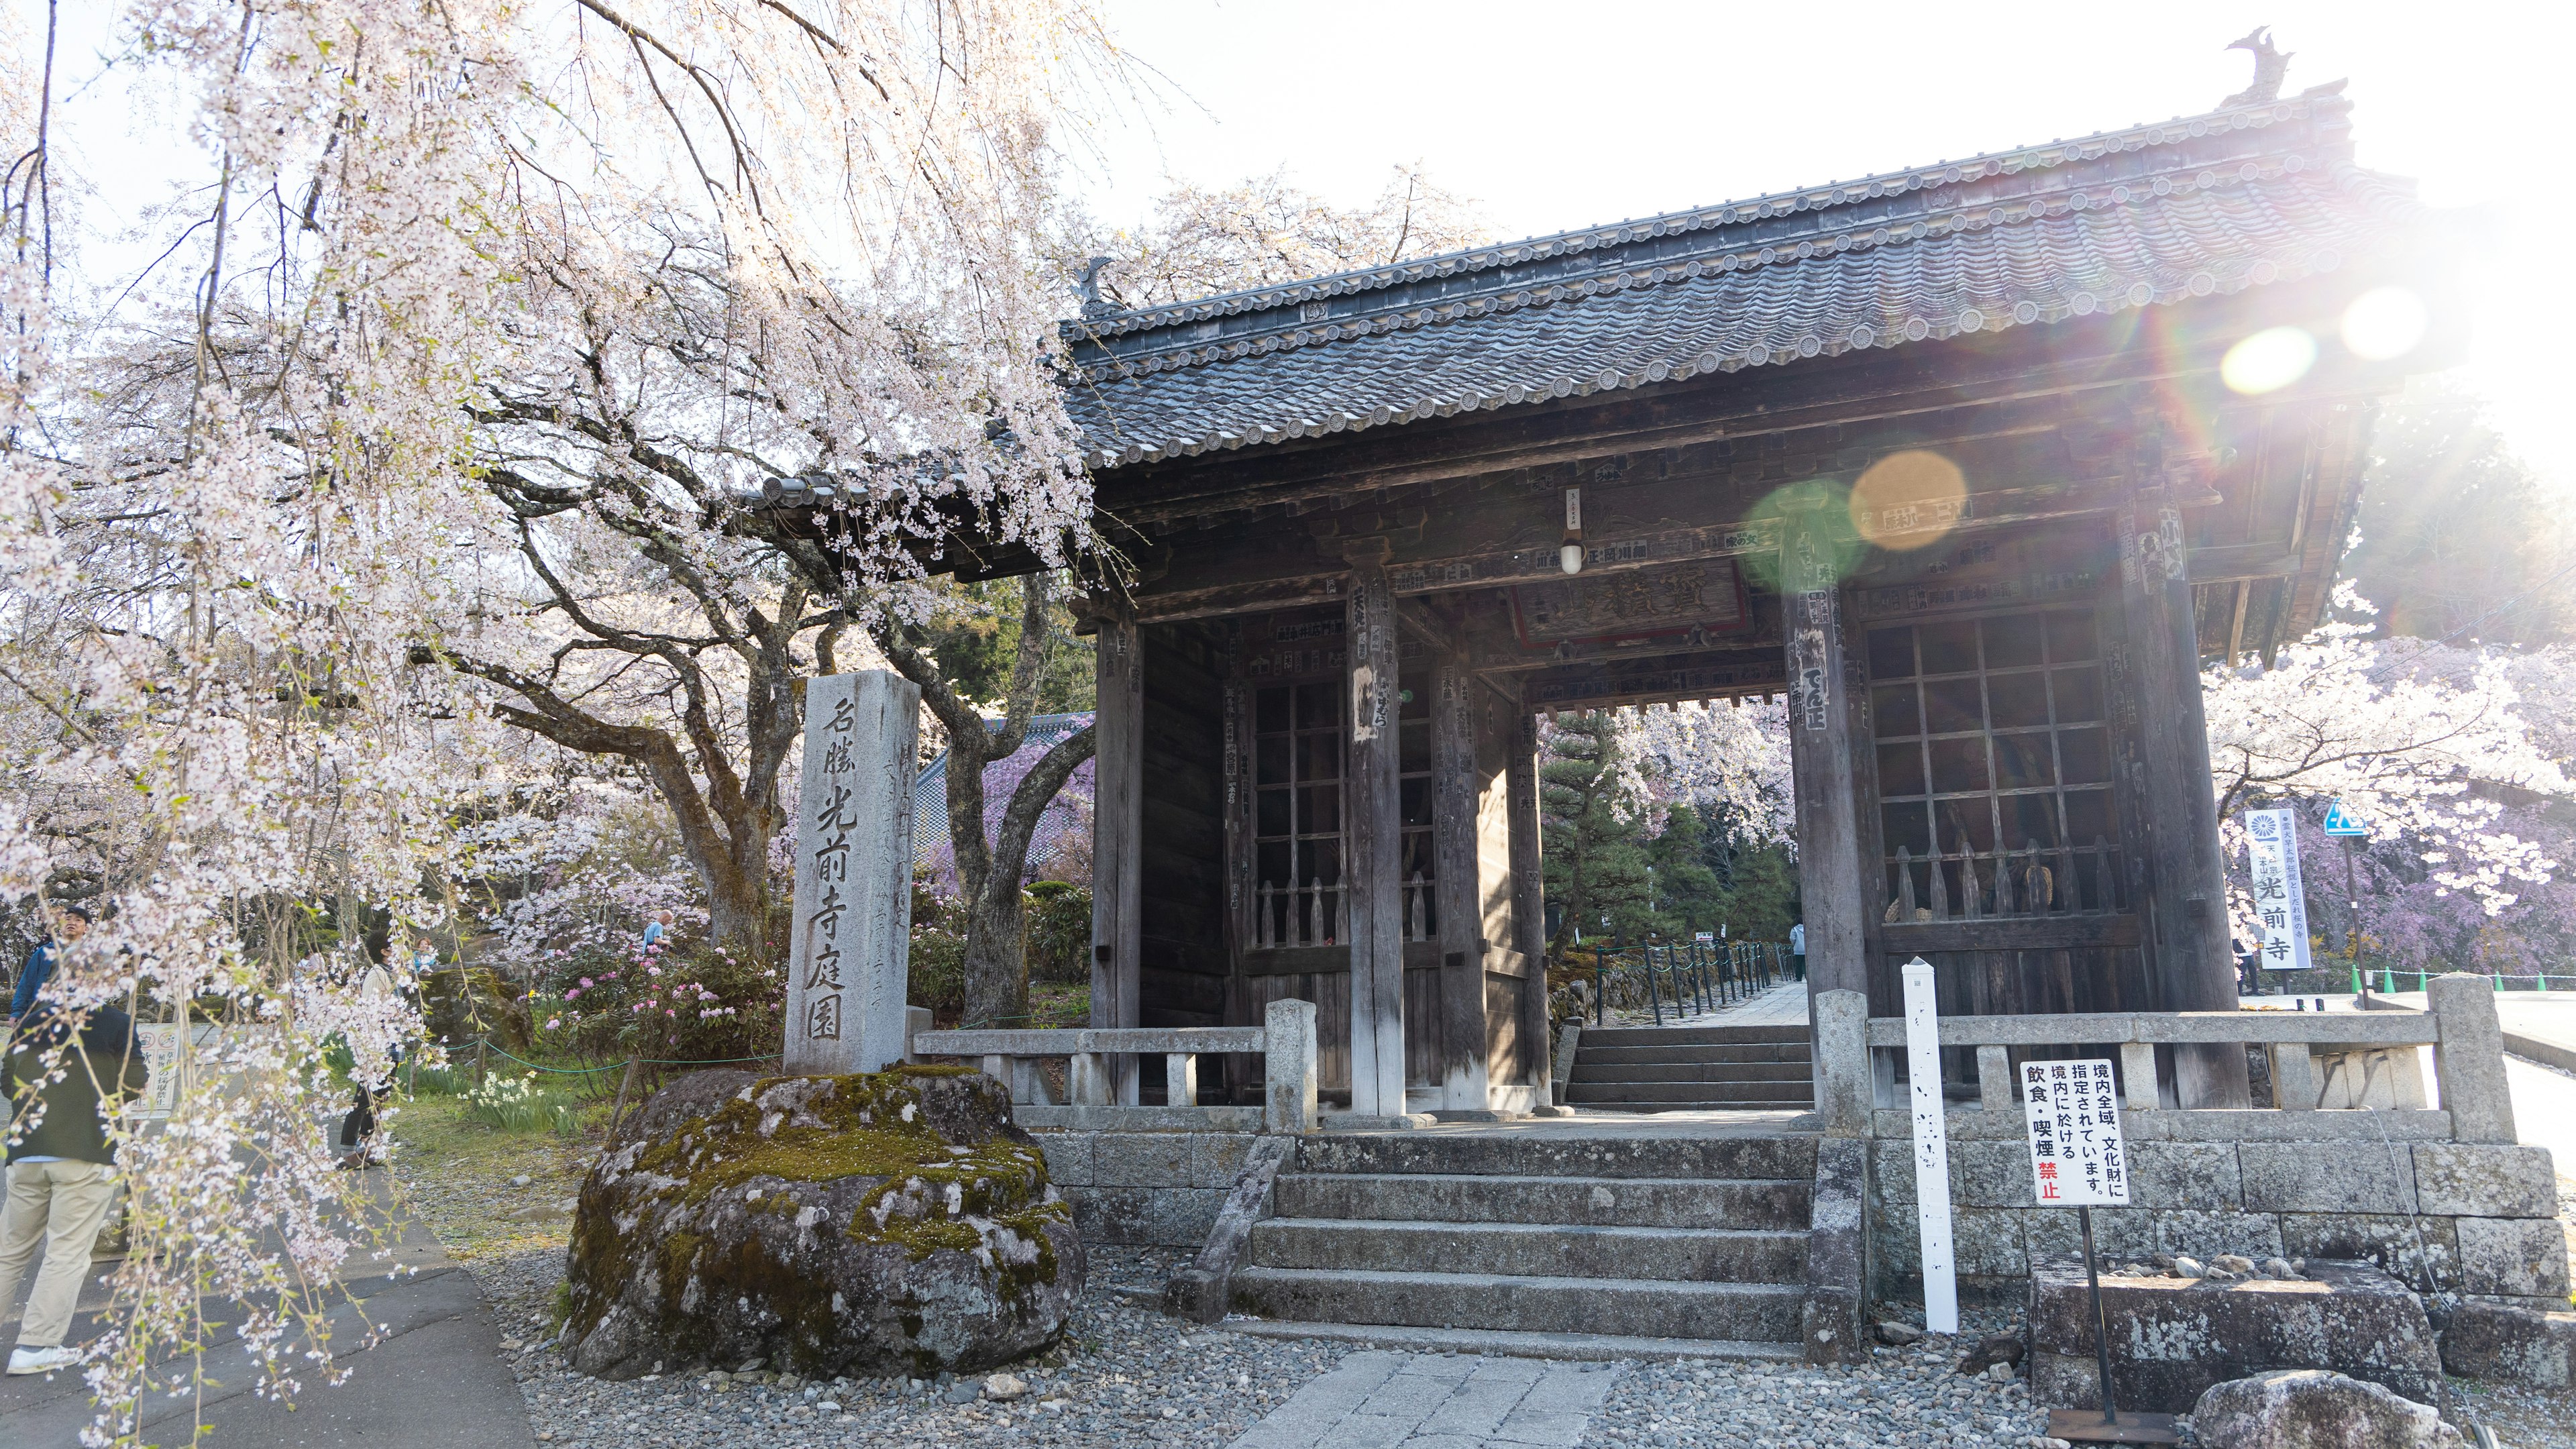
(2269,360)
(1908,500)
(2384,322)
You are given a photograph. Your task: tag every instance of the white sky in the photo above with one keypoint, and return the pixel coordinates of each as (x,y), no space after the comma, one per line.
(1563,115)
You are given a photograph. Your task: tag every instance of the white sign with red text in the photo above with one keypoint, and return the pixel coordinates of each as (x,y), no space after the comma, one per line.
(2077,1157)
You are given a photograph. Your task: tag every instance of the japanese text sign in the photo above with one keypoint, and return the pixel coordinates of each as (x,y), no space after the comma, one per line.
(2077,1157)
(2280,897)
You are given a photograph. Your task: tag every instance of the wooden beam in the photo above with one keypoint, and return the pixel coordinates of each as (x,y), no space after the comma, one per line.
(1512,537)
(2186,905)
(1657,679)
(1529,914)
(1117,859)
(1831,883)
(1462,1070)
(2009,933)
(1373,851)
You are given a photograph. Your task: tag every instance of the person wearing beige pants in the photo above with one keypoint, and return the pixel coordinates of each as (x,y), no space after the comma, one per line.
(60,1206)
(62,1169)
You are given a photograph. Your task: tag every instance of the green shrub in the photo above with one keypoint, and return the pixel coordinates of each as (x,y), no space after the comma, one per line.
(1059,932)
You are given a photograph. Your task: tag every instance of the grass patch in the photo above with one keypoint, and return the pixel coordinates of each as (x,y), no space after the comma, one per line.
(456,1171)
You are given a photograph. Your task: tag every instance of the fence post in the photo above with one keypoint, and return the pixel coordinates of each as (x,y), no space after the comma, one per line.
(1288,1067)
(625,1085)
(2469,1060)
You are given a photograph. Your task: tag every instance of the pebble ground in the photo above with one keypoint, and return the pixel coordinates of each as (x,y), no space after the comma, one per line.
(1911,1396)
(1126,1375)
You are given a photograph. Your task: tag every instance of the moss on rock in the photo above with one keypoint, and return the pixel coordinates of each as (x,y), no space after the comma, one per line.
(893,1221)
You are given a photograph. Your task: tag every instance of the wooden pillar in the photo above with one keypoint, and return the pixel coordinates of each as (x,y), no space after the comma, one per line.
(2188,961)
(1117,857)
(1820,745)
(1374,856)
(1463,1077)
(1529,900)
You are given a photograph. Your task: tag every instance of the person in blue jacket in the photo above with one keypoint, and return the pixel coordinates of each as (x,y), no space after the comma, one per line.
(41,961)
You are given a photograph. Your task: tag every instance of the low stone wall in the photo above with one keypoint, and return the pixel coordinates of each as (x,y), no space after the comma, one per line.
(2475,1219)
(1145,1189)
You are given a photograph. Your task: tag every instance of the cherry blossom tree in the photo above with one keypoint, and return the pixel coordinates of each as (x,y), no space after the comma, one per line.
(469,334)
(2434,747)
(1201,241)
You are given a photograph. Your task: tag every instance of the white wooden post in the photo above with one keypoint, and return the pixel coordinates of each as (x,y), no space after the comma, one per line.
(851,945)
(1931,1149)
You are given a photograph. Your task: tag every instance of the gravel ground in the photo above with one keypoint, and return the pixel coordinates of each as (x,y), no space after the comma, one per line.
(1125,1375)
(1906,1396)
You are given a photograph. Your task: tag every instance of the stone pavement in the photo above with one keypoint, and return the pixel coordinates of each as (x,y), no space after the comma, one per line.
(1380,1400)
(434,1377)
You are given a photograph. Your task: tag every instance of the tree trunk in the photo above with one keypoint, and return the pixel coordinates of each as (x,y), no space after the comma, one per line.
(997,975)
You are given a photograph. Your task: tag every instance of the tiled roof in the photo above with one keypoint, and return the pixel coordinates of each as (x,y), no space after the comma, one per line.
(2216,203)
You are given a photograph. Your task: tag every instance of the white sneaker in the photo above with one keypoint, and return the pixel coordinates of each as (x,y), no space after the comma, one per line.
(42,1360)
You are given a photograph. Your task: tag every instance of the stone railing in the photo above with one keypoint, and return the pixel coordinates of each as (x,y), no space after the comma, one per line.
(2439,1195)
(1285,1042)
(2320,1061)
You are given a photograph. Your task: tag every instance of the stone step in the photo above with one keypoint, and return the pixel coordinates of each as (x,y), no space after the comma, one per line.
(1742,1051)
(1687,1071)
(1766,1312)
(1756,1151)
(1629,1036)
(1531,1250)
(1800,1093)
(1588,1347)
(1640,1202)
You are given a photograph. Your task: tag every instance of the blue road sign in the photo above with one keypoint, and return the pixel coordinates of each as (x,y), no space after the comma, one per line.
(2340,821)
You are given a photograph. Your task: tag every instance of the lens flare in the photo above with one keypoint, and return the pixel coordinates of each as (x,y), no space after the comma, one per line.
(1909,500)
(2269,360)
(2384,322)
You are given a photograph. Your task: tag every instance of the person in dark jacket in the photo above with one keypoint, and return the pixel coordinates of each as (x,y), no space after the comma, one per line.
(358,1128)
(62,1172)
(41,962)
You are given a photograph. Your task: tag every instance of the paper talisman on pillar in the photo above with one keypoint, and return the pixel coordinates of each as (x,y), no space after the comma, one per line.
(2077,1156)
(2280,896)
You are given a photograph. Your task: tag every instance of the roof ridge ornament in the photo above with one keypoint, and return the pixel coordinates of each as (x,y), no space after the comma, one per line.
(1087,287)
(2270,68)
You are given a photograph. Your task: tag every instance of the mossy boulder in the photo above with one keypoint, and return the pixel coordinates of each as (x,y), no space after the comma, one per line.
(890,1223)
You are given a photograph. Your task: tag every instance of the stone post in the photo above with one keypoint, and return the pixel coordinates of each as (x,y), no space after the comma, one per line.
(2469,1060)
(1288,1068)
(851,945)
(1844,1094)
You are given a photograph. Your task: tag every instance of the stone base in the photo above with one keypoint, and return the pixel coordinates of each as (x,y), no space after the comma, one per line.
(2173,1338)
(1377,1122)
(2510,1345)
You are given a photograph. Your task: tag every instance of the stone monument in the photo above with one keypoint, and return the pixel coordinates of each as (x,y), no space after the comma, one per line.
(848,953)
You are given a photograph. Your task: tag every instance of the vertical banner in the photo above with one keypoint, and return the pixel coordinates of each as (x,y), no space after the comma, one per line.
(1931,1149)
(851,944)
(2077,1156)
(2280,896)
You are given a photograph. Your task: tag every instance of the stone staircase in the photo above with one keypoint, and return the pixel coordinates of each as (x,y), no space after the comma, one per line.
(1641,1237)
(1679,1068)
